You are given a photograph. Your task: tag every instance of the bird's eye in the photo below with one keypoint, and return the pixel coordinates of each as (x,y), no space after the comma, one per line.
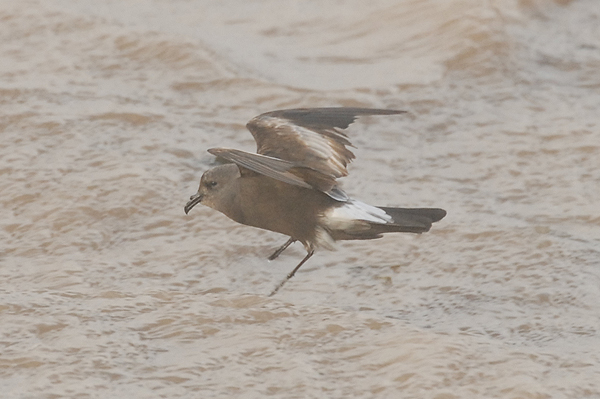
(211,184)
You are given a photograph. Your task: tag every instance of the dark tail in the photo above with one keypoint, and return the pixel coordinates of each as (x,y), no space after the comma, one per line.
(405,220)
(410,220)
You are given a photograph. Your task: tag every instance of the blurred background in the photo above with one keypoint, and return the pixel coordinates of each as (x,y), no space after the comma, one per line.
(107,289)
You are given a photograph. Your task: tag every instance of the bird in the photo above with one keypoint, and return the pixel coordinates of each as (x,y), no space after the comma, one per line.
(290,185)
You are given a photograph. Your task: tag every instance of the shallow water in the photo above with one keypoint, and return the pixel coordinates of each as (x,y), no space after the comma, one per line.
(108,290)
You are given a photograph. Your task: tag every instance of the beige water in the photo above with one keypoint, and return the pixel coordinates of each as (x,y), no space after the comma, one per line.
(107,290)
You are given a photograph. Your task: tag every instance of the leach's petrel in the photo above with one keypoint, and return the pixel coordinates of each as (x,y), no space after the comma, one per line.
(289,186)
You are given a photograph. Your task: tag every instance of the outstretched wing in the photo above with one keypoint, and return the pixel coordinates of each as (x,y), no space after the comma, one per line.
(310,137)
(304,147)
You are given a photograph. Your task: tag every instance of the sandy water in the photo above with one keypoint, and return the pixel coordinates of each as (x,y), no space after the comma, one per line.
(108,290)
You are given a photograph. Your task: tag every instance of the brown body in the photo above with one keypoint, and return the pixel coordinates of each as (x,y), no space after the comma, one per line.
(259,201)
(304,214)
(302,207)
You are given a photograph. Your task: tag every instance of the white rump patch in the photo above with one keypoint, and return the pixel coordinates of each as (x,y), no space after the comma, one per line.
(346,216)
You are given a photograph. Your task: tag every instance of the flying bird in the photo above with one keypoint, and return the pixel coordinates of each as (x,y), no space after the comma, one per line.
(290,185)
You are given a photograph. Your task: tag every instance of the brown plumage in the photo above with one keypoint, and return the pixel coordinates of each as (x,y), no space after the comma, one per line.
(289,186)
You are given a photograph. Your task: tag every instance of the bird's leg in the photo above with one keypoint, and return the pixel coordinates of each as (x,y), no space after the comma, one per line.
(289,276)
(282,248)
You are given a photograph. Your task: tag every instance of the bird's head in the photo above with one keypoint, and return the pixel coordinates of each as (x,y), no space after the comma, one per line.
(214,190)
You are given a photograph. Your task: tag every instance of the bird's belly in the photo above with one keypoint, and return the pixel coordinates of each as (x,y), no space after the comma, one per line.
(272,205)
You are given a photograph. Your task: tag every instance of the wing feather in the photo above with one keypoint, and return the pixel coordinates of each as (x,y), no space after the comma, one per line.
(310,137)
(305,147)
(282,170)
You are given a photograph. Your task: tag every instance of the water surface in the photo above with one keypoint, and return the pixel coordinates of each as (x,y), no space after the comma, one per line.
(108,290)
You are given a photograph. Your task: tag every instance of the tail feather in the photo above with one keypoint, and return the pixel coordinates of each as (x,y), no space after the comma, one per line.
(418,220)
(356,220)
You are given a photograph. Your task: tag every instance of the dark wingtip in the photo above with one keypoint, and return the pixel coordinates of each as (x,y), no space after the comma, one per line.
(322,118)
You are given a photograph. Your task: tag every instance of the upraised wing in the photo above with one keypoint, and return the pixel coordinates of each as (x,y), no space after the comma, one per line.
(303,147)
(310,137)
